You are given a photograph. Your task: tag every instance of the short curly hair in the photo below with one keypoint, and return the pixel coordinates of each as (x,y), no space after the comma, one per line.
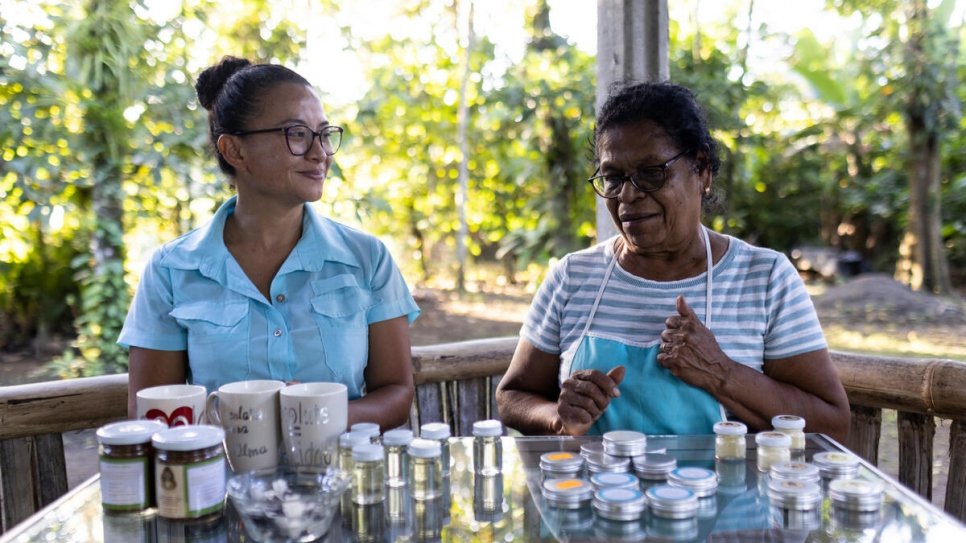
(671,106)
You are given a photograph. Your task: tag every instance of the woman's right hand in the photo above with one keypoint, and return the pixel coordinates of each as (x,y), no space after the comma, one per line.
(584,396)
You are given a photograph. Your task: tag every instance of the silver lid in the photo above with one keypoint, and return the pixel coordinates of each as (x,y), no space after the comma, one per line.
(619,503)
(613,480)
(567,493)
(672,501)
(793,494)
(625,443)
(796,471)
(856,494)
(601,462)
(834,464)
(591,447)
(654,465)
(703,482)
(561,462)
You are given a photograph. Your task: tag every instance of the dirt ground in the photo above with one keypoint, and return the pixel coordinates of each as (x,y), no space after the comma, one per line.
(869,305)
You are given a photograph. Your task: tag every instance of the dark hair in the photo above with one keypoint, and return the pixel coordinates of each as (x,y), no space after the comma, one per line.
(673,107)
(232,91)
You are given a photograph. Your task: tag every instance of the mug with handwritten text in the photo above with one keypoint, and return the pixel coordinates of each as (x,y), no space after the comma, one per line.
(174,405)
(313,416)
(248,411)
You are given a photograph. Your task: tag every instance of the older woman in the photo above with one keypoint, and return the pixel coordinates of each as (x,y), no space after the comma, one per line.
(270,289)
(667,327)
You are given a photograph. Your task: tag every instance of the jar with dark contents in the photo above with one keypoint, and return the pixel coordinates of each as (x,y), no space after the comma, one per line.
(126,461)
(189,471)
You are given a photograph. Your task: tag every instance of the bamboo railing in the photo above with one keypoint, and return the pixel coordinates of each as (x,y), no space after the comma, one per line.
(456,382)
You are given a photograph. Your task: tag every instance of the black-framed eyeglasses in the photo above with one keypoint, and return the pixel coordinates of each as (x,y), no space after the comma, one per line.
(299,137)
(644,179)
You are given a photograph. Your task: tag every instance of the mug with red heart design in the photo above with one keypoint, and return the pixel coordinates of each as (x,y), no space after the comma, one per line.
(174,405)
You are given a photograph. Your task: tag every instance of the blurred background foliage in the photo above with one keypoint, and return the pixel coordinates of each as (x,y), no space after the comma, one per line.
(104,146)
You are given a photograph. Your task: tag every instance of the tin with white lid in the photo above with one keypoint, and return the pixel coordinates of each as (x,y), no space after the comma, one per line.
(567,493)
(654,466)
(793,494)
(703,482)
(624,443)
(672,502)
(619,503)
(856,494)
(795,471)
(614,480)
(836,465)
(561,464)
(603,462)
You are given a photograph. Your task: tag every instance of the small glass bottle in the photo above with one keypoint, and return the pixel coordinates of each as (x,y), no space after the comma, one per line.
(773,447)
(371,429)
(425,469)
(347,441)
(439,432)
(729,441)
(368,473)
(794,427)
(487,447)
(624,443)
(397,461)
(127,464)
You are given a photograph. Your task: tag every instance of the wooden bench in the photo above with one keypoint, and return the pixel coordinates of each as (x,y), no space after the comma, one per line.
(455,384)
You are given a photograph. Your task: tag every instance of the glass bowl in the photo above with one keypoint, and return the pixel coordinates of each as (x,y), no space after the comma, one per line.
(287,503)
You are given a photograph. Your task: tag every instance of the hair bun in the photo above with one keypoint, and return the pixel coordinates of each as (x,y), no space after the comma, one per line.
(213,79)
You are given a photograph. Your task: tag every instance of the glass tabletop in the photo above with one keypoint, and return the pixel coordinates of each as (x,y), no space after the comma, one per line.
(511,507)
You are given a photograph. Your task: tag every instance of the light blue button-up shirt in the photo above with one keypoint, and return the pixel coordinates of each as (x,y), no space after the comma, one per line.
(337,281)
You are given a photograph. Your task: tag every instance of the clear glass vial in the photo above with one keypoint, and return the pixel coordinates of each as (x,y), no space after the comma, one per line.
(653,468)
(487,447)
(672,502)
(439,432)
(368,474)
(425,469)
(561,465)
(568,493)
(624,443)
(773,447)
(703,482)
(729,440)
(371,429)
(615,503)
(348,440)
(395,443)
(794,427)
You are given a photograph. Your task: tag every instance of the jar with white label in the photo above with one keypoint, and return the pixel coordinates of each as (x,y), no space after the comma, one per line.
(561,465)
(127,464)
(189,471)
(773,447)
(729,440)
(793,427)
(439,432)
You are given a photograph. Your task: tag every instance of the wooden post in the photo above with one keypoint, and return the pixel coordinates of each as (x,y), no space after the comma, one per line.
(866,427)
(955,503)
(916,433)
(632,44)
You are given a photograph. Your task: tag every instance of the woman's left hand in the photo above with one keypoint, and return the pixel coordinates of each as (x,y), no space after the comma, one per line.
(690,351)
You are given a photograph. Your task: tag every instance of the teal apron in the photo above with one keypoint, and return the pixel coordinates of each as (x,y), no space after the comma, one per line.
(652,400)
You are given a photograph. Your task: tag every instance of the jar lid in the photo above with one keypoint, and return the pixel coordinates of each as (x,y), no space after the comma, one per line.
(487,428)
(567,491)
(601,462)
(787,422)
(616,480)
(798,471)
(188,438)
(654,465)
(129,432)
(435,430)
(730,428)
(347,440)
(702,481)
(619,503)
(399,436)
(834,463)
(773,439)
(591,447)
(371,429)
(672,501)
(367,452)
(856,494)
(624,443)
(424,448)
(792,494)
(561,461)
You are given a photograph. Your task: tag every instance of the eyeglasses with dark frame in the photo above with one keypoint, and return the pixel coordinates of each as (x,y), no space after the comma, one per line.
(299,137)
(645,179)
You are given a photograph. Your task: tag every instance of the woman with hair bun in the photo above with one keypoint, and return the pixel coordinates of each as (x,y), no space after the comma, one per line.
(270,289)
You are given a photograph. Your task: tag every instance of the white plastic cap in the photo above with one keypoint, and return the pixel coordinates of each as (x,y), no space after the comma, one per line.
(773,439)
(787,422)
(435,430)
(730,428)
(424,448)
(399,436)
(487,428)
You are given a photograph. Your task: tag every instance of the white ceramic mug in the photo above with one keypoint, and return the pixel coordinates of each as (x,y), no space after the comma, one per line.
(248,411)
(313,417)
(174,405)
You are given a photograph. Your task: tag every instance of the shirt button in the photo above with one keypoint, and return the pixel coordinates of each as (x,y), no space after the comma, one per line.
(280,298)
(278,332)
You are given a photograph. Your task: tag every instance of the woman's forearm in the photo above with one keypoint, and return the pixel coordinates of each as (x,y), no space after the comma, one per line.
(528,413)
(388,406)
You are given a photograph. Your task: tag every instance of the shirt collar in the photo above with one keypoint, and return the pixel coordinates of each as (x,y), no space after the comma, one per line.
(322,240)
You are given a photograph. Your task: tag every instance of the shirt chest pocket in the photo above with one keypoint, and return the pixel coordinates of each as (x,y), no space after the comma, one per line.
(218,340)
(213,319)
(339,309)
